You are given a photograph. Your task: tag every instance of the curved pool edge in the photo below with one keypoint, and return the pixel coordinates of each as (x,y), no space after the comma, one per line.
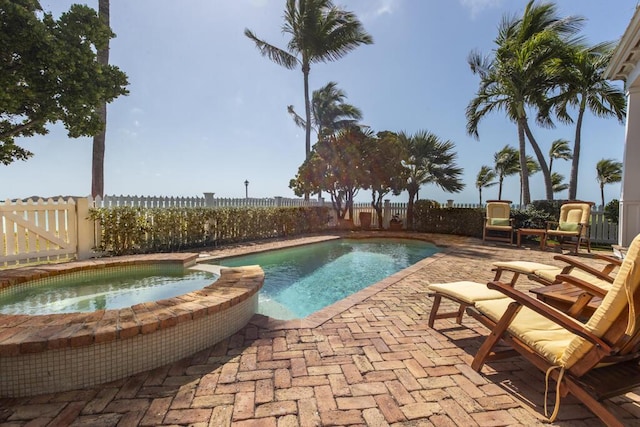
(60,352)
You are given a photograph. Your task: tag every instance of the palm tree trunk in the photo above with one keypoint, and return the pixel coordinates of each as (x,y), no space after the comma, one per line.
(602,193)
(480,191)
(524,171)
(412,197)
(548,185)
(307,113)
(573,180)
(97,161)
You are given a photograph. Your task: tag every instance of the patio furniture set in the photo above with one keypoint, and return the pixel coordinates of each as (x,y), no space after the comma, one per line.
(571,228)
(581,328)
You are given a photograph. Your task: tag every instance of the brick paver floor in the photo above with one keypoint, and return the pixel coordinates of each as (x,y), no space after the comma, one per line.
(371,361)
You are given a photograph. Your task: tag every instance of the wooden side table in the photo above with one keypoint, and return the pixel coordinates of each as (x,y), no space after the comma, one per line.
(532,232)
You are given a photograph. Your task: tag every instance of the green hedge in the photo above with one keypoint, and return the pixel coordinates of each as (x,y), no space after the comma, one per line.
(133,230)
(460,221)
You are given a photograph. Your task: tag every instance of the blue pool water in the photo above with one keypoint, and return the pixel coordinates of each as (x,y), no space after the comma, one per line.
(304,279)
(106,288)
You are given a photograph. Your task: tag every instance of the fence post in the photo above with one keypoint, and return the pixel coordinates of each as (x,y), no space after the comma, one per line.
(208,199)
(386,213)
(86,229)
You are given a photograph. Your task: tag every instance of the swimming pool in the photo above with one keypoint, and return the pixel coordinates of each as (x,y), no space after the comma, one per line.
(102,289)
(304,279)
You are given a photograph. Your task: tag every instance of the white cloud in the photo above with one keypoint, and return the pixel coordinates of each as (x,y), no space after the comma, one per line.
(477,6)
(386,7)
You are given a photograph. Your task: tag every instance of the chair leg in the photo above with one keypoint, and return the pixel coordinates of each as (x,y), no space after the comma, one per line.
(496,333)
(434,310)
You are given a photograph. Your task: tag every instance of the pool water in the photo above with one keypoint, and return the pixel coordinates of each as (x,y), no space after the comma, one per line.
(305,279)
(107,288)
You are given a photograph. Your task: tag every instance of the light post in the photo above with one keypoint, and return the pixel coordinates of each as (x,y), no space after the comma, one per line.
(246,189)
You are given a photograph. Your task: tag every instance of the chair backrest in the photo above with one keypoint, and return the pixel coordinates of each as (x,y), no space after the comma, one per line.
(498,209)
(615,320)
(574,213)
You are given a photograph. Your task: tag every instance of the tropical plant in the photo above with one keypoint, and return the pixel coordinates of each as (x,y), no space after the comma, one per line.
(49,73)
(608,171)
(558,182)
(485,179)
(516,79)
(583,85)
(99,139)
(319,32)
(559,150)
(329,112)
(506,163)
(612,211)
(430,160)
(336,167)
(383,156)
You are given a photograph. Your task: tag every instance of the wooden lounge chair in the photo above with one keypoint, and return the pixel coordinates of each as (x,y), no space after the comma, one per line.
(594,360)
(547,274)
(466,293)
(573,224)
(497,222)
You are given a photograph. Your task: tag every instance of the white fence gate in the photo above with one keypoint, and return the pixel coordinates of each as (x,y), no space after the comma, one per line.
(38,231)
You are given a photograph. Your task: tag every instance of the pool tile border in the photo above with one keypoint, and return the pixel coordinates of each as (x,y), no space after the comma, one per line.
(50,353)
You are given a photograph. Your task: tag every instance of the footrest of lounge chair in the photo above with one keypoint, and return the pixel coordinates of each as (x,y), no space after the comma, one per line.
(523,267)
(464,293)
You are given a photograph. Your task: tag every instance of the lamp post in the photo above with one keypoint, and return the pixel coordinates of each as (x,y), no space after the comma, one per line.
(246,189)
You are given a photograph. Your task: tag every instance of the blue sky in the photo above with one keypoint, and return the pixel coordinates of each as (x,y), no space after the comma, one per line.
(206,112)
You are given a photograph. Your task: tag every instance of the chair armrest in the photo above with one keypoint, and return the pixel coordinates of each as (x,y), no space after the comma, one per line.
(612,260)
(569,323)
(573,263)
(550,223)
(585,286)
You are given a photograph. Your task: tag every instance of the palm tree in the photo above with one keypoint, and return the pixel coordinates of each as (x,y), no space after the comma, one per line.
(99,139)
(558,182)
(584,86)
(329,112)
(485,179)
(506,163)
(516,79)
(430,161)
(320,32)
(559,150)
(608,171)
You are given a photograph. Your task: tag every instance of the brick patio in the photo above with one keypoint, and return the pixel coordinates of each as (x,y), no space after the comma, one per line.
(369,360)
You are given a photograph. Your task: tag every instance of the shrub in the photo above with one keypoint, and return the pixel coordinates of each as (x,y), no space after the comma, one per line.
(612,211)
(129,230)
(532,217)
(551,207)
(460,221)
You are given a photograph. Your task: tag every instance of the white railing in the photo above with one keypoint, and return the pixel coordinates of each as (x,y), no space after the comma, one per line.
(207,201)
(52,230)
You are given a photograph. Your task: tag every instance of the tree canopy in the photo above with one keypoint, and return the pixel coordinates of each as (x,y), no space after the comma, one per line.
(49,73)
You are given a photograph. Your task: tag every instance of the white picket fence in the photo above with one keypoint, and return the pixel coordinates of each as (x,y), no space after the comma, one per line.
(54,230)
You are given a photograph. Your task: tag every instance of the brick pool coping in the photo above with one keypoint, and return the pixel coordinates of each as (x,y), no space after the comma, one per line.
(25,334)
(58,352)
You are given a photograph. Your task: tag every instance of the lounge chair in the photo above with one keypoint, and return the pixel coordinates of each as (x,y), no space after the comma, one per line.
(547,274)
(464,293)
(497,222)
(594,360)
(573,224)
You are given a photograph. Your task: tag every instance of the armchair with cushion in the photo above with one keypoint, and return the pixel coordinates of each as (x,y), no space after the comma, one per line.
(498,225)
(593,360)
(573,224)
